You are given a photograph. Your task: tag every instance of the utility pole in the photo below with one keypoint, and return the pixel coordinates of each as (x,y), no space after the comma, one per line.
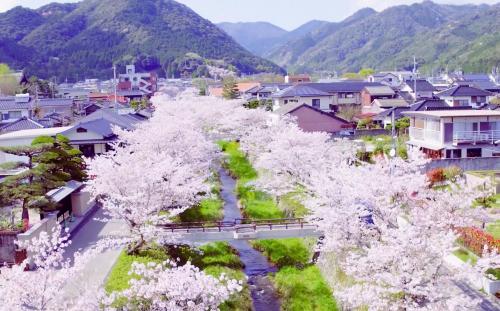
(415,76)
(114,82)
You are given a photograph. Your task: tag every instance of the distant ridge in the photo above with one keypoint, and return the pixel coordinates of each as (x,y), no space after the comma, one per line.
(84,39)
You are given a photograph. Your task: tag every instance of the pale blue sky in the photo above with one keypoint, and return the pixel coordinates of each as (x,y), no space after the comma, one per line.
(288,14)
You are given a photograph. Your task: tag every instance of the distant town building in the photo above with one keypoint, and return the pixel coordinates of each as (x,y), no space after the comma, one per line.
(296,79)
(145,82)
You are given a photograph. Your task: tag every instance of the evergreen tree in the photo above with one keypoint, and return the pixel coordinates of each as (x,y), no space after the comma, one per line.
(50,164)
(230,89)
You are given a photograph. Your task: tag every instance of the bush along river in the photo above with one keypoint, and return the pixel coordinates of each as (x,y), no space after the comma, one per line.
(257,267)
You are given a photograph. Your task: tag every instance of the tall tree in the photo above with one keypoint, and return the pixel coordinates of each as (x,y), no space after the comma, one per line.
(8,82)
(230,89)
(50,162)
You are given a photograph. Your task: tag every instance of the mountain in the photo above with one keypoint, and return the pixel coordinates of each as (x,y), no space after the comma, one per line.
(254,36)
(261,37)
(86,38)
(441,36)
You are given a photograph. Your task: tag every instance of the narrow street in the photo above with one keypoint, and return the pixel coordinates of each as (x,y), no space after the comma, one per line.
(88,234)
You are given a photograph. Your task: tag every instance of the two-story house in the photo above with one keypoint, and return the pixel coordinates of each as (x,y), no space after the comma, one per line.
(371,93)
(418,89)
(325,96)
(454,134)
(465,95)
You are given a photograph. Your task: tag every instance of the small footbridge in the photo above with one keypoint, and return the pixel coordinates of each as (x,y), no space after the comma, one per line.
(242,229)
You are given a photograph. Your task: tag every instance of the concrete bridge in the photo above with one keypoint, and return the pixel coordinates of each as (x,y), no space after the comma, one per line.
(243,229)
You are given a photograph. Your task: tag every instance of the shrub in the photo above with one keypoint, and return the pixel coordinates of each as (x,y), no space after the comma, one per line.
(452,173)
(475,240)
(436,176)
(494,273)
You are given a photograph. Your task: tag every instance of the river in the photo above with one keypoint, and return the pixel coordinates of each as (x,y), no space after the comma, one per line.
(257,267)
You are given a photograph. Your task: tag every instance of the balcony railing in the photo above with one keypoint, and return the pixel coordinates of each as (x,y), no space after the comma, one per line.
(474,137)
(425,135)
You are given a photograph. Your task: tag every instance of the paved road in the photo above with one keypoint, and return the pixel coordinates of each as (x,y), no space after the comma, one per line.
(96,271)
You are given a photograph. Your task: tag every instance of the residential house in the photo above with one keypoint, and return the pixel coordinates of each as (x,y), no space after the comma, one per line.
(22,105)
(265,90)
(386,117)
(478,80)
(452,133)
(296,79)
(13,108)
(311,119)
(325,96)
(23,123)
(302,94)
(92,134)
(429,104)
(387,78)
(146,82)
(379,105)
(417,89)
(371,93)
(465,95)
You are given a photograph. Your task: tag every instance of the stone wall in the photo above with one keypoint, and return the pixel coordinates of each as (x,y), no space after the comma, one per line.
(468,164)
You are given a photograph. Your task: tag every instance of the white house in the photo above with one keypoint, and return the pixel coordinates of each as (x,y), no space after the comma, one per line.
(452,133)
(465,95)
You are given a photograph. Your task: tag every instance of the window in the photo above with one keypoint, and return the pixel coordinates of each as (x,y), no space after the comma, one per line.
(81,130)
(474,153)
(454,153)
(15,115)
(87,150)
(316,103)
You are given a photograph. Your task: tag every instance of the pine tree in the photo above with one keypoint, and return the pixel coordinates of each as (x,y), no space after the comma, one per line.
(230,89)
(51,162)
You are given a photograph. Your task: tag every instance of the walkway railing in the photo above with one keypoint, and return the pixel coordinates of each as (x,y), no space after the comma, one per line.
(238,225)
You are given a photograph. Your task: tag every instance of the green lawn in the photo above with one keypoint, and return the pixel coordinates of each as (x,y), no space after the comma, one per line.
(118,278)
(300,285)
(304,290)
(494,229)
(208,210)
(214,259)
(466,256)
(285,252)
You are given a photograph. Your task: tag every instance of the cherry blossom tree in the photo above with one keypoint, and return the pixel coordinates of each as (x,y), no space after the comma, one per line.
(175,288)
(43,287)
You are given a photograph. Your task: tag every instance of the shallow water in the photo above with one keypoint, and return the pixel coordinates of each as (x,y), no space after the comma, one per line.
(257,267)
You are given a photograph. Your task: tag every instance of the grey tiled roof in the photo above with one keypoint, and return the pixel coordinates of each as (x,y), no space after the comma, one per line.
(388,113)
(9,102)
(428,103)
(124,121)
(346,87)
(300,90)
(422,85)
(463,90)
(20,124)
